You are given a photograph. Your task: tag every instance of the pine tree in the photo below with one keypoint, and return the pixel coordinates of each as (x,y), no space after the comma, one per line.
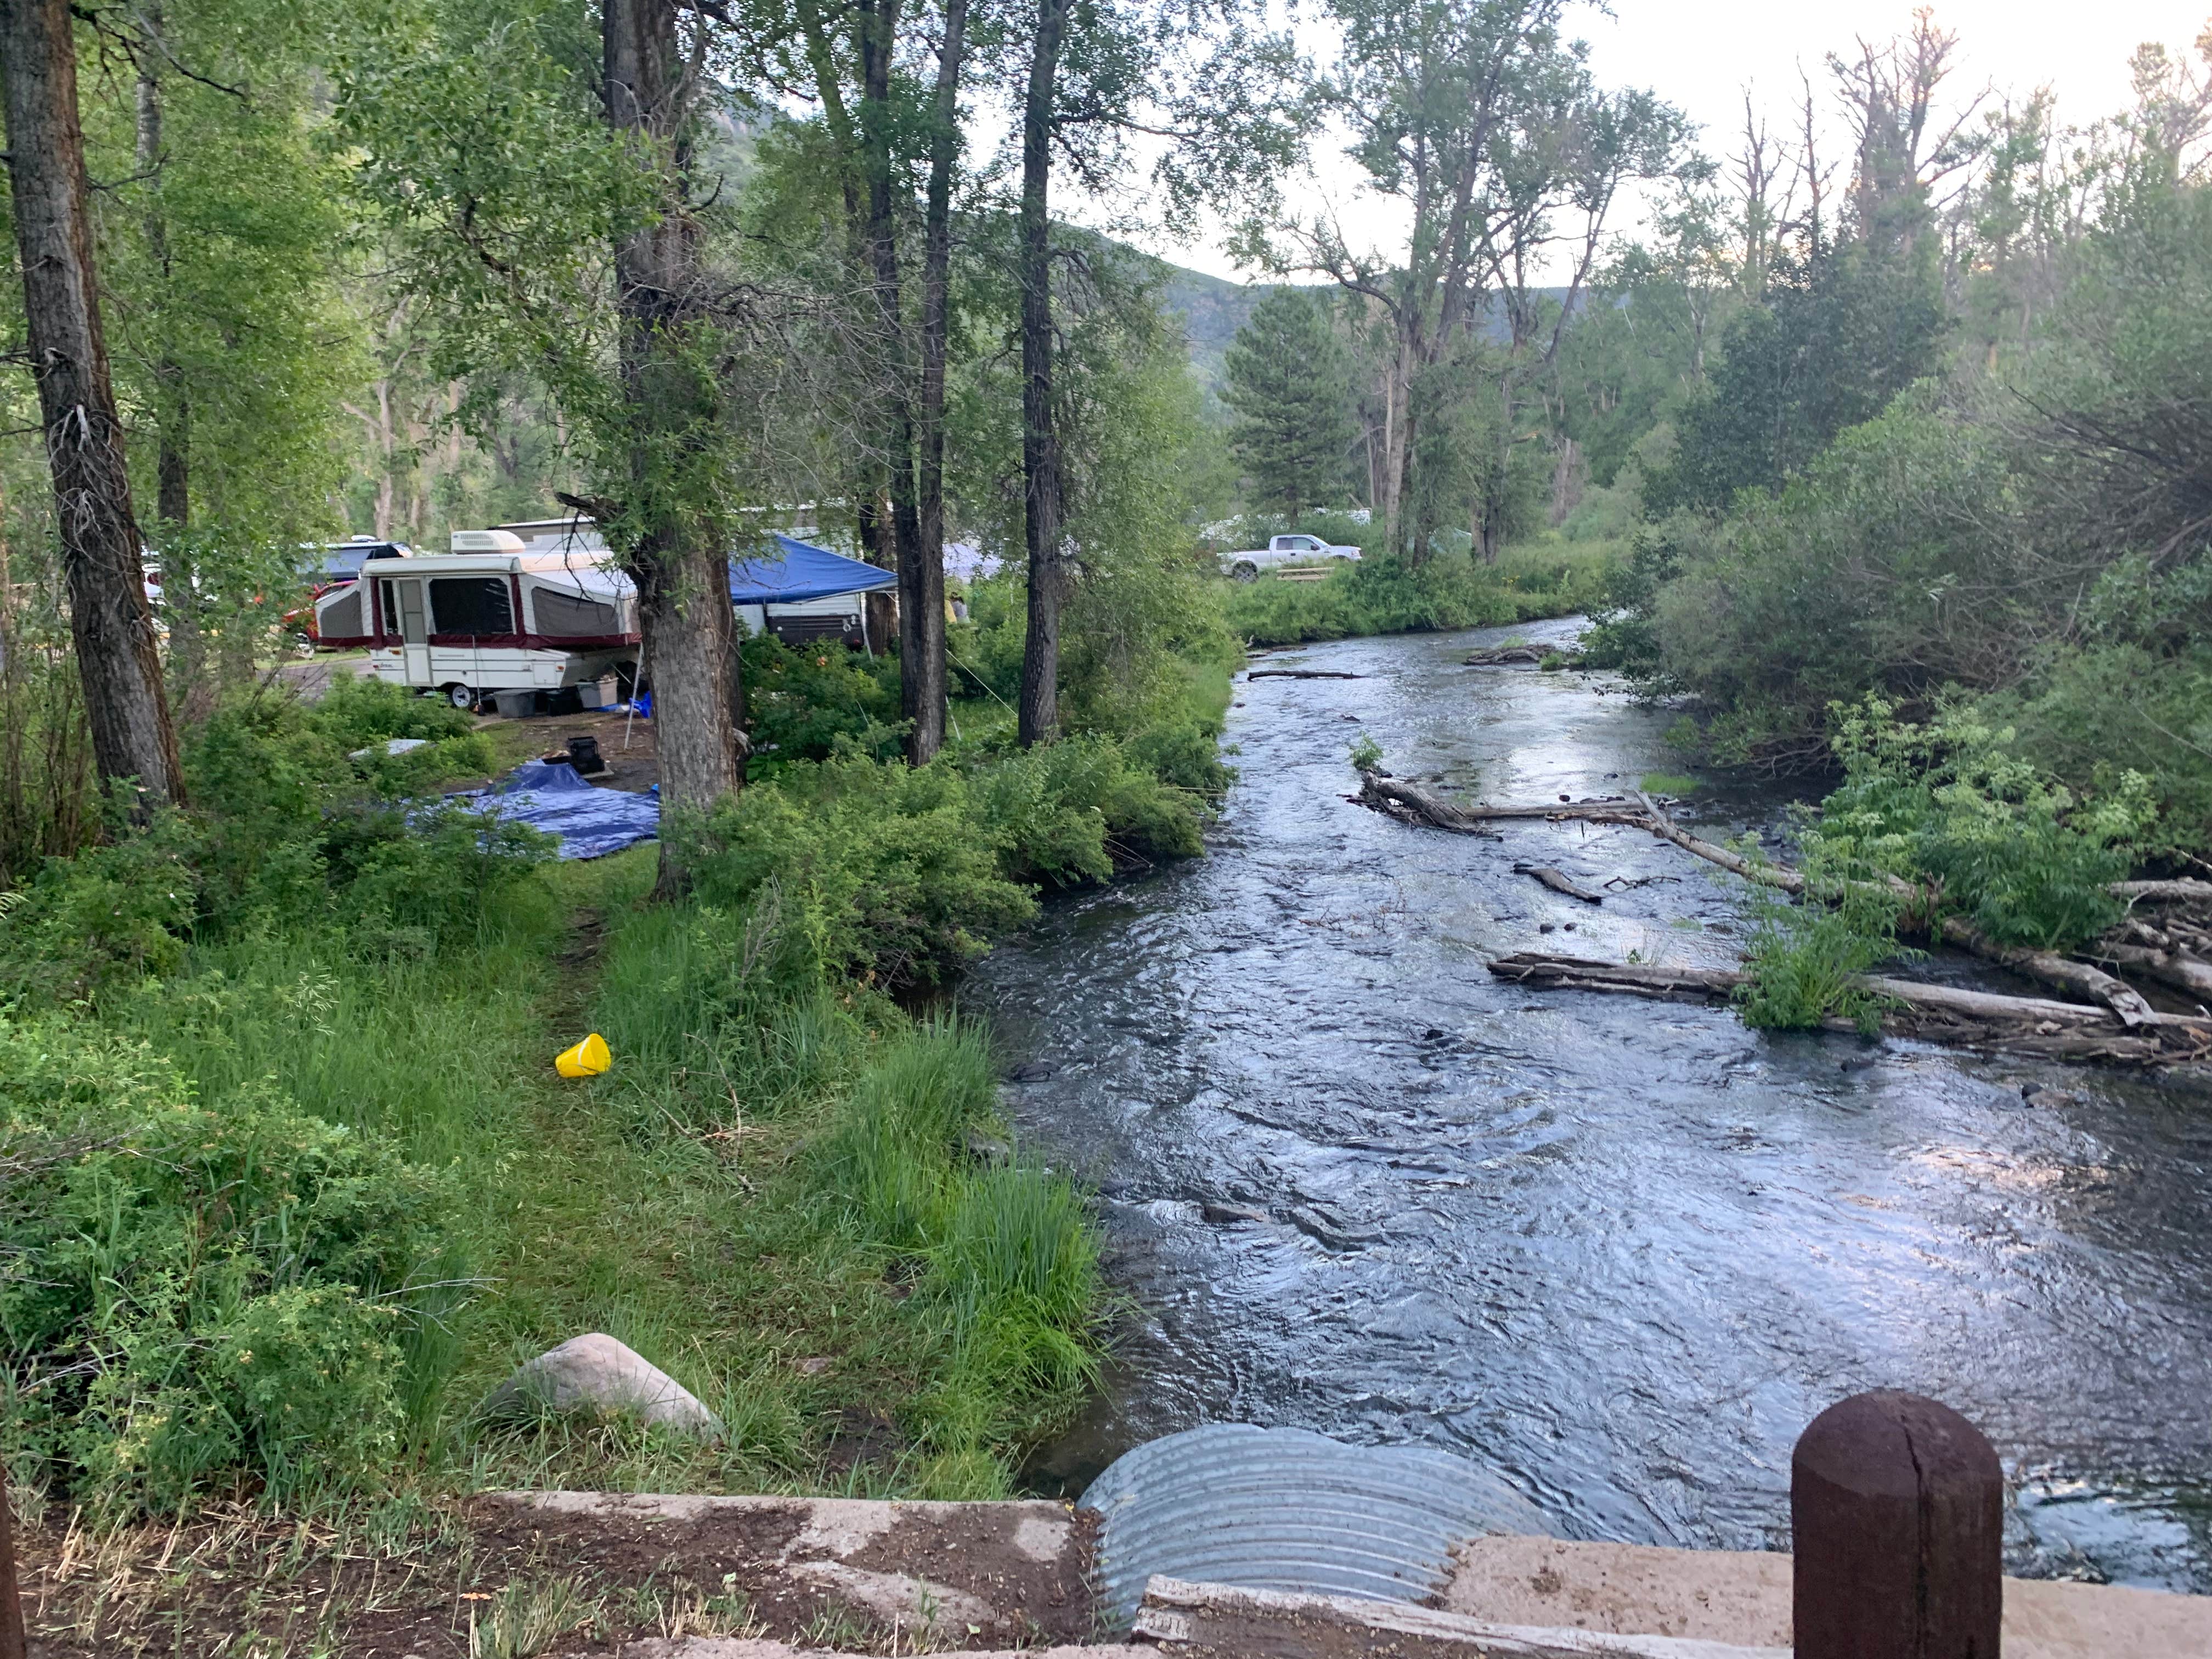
(1290,383)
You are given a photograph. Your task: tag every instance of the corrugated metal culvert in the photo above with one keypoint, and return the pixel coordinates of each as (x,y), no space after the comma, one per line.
(1289,1510)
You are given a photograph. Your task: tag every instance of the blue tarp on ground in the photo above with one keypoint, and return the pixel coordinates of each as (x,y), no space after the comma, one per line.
(591,822)
(800,570)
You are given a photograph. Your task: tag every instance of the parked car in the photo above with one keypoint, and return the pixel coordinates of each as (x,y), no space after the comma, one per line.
(1279,550)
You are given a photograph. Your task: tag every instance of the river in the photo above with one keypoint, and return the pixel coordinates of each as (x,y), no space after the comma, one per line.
(1620,1251)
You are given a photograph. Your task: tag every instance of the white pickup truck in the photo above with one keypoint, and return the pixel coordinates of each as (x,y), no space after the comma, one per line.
(1281,549)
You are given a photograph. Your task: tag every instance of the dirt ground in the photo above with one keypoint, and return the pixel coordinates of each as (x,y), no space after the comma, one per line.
(636,767)
(490,1577)
(625,742)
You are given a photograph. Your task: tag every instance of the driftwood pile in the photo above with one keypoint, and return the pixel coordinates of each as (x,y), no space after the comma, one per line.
(2110,1020)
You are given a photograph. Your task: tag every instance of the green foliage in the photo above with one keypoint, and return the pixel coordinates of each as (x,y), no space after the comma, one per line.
(354,713)
(1805,958)
(800,703)
(1366,754)
(1011,1257)
(888,868)
(193,1295)
(1827,349)
(1290,386)
(902,874)
(88,925)
(1389,596)
(2008,848)
(1064,812)
(2003,545)
(283,835)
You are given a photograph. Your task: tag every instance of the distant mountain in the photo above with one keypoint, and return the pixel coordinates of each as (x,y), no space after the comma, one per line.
(1213,308)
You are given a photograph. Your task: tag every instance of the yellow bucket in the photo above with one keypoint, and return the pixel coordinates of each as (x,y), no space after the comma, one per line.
(587,1059)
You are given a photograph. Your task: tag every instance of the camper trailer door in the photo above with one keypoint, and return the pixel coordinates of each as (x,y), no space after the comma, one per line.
(403,608)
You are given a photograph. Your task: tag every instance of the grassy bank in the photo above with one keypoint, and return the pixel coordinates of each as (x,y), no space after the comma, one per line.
(1383,596)
(298,1184)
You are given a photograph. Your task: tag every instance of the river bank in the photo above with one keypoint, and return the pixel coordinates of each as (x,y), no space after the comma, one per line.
(1620,1251)
(1530,582)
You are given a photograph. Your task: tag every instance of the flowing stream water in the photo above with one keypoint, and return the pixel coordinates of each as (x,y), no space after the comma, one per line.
(1620,1251)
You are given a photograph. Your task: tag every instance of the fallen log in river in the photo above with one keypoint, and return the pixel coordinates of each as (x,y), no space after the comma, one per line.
(1942,1013)
(1409,803)
(1640,811)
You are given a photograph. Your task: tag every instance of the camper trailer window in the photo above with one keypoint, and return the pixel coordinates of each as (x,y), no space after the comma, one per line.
(471,605)
(570,618)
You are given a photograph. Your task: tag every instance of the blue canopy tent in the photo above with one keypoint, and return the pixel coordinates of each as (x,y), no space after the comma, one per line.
(800,570)
(816,593)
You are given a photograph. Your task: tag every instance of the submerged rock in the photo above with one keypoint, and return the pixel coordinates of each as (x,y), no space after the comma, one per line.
(594,1372)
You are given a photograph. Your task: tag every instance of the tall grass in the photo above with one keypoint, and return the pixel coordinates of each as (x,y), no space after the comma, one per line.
(852,1165)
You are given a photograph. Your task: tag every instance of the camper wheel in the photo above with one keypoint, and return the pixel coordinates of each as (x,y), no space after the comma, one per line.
(461,697)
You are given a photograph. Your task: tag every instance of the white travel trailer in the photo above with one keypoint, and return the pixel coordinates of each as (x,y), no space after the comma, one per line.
(494,615)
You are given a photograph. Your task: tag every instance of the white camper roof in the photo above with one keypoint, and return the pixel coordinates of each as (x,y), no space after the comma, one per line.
(578,573)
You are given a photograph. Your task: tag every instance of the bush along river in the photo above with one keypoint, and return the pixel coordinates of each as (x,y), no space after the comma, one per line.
(1620,1251)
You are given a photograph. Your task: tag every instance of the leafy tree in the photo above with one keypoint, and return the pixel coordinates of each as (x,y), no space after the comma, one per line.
(1483,119)
(232,347)
(1855,312)
(125,703)
(538,186)
(1290,386)
(1218,89)
(1827,350)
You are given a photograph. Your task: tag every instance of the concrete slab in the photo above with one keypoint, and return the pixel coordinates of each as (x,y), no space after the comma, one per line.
(1742,1599)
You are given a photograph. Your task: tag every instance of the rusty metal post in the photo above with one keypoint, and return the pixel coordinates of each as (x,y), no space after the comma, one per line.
(11,1596)
(1898,1507)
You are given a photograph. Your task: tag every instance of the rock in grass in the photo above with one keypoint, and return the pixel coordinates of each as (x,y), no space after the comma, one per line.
(594,1372)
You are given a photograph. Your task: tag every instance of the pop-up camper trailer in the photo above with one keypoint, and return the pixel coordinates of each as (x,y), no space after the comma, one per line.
(492,615)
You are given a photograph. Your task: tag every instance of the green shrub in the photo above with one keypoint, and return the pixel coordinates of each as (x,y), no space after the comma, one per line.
(197,1296)
(800,703)
(2008,847)
(357,713)
(1804,957)
(88,925)
(1384,595)
(885,870)
(1061,811)
(1186,755)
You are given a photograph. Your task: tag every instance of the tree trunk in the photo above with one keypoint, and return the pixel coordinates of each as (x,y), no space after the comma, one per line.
(173,418)
(109,621)
(921,604)
(877,22)
(679,557)
(172,489)
(7,588)
(1038,716)
(1397,419)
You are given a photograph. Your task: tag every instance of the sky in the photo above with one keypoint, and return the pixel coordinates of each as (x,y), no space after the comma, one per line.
(1702,56)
